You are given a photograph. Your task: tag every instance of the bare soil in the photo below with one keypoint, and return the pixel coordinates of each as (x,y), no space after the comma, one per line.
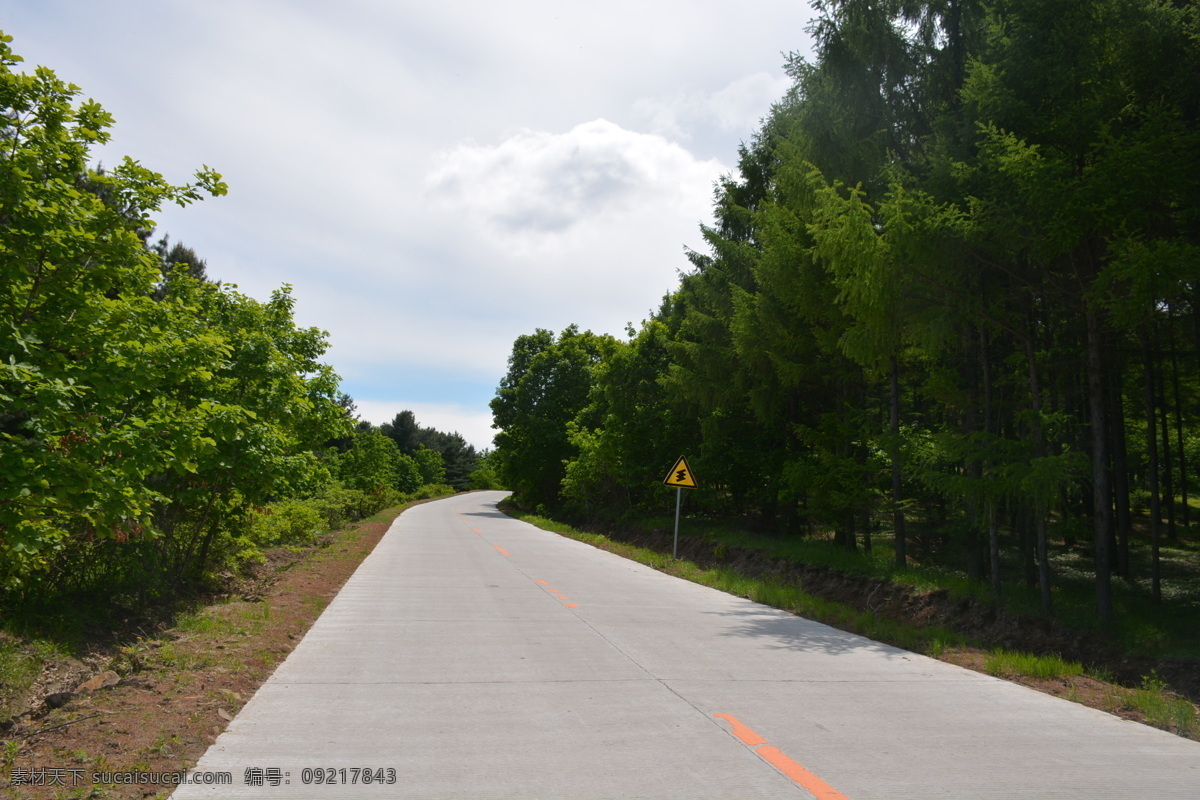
(176,691)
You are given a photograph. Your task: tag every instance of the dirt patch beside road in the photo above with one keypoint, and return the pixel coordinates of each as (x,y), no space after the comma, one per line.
(154,706)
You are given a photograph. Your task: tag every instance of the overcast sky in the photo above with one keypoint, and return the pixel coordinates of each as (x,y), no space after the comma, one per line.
(434,179)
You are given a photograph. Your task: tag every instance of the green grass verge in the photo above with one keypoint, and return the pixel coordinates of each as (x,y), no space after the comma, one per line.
(1008,663)
(1162,709)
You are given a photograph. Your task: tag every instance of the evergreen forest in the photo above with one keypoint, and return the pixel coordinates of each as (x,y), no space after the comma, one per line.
(949,307)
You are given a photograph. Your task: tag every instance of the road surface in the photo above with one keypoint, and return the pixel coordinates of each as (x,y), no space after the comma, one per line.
(475,656)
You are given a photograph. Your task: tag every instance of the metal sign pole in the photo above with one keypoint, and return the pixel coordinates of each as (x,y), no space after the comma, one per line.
(681,478)
(678,503)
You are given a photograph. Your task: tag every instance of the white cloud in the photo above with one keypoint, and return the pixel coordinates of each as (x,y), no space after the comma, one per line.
(535,189)
(739,107)
(585,226)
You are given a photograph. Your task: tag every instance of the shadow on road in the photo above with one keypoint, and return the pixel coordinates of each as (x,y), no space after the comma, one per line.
(485,514)
(789,632)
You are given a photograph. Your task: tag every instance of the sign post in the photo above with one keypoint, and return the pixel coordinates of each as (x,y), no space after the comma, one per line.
(681,477)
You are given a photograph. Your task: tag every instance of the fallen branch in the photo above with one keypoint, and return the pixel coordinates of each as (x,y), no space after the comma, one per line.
(56,727)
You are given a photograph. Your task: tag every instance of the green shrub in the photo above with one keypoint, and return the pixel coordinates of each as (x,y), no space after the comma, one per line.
(340,505)
(486,474)
(288,522)
(430,464)
(432,490)
(374,464)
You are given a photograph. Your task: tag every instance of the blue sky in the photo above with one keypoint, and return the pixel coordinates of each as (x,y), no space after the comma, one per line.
(433,179)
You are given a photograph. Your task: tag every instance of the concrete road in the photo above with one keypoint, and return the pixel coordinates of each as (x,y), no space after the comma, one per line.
(474,656)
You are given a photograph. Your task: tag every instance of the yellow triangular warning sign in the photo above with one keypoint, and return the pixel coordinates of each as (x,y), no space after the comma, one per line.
(681,475)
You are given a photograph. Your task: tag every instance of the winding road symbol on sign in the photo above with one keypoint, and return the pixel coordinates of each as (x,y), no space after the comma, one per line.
(681,475)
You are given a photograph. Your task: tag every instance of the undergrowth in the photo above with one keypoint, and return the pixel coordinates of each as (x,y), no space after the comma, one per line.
(1161,708)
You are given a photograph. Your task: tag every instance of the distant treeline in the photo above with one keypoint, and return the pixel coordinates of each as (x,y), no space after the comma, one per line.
(156,426)
(953,289)
(459,458)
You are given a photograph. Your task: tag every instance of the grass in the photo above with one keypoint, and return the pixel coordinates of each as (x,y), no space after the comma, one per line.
(256,612)
(1166,629)
(20,666)
(317,604)
(163,746)
(8,753)
(205,622)
(1008,663)
(1161,708)
(177,658)
(18,669)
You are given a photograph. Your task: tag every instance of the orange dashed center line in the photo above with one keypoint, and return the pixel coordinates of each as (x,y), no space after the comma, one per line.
(776,758)
(477,531)
(503,552)
(748,737)
(557,594)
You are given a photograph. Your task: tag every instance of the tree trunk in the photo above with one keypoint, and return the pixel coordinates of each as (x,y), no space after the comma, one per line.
(1025,530)
(1168,479)
(1183,485)
(1039,451)
(989,425)
(1151,462)
(1100,485)
(994,550)
(1120,461)
(973,464)
(861,457)
(897,484)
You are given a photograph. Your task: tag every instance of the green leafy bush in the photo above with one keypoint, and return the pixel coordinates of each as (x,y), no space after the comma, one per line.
(432,490)
(486,475)
(288,522)
(340,504)
(430,465)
